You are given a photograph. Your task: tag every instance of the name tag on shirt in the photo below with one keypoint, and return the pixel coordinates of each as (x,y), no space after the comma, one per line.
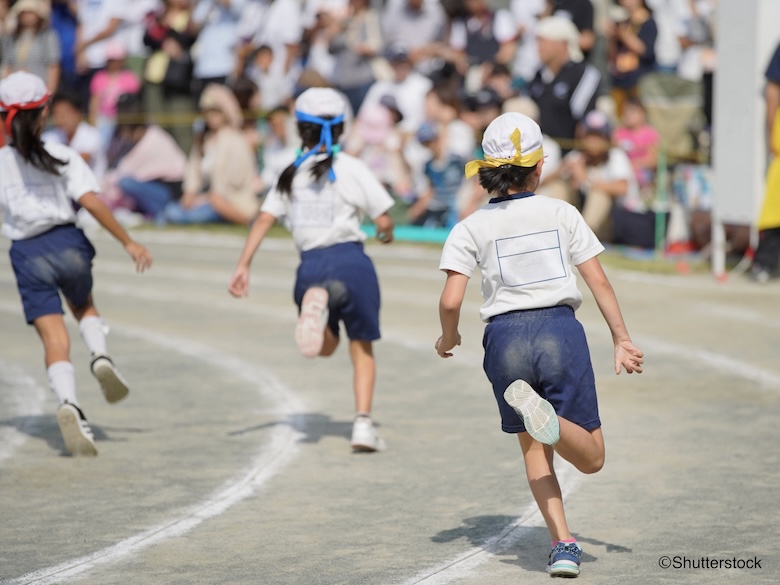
(530,258)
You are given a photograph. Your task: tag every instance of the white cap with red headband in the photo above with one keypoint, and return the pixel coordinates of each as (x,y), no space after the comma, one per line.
(21,91)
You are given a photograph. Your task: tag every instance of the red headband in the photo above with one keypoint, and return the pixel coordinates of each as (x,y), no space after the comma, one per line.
(13,109)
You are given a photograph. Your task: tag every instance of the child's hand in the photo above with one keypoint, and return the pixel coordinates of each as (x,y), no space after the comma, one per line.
(140,255)
(239,283)
(444,346)
(385,237)
(628,356)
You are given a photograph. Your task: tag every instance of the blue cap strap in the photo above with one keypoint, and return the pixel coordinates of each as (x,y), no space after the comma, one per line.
(326,137)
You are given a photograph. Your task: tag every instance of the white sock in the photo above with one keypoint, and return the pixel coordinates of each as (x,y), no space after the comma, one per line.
(62,379)
(94,334)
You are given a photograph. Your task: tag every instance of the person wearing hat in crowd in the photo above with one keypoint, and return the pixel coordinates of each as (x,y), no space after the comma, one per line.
(601,176)
(32,45)
(219,184)
(39,184)
(536,355)
(566,87)
(322,198)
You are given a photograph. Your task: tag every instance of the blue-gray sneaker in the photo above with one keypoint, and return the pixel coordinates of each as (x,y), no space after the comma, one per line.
(539,416)
(564,560)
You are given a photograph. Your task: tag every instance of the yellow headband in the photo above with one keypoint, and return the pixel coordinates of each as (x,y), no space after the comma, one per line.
(518,160)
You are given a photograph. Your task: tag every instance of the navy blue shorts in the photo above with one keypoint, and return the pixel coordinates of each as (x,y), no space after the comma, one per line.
(57,260)
(349,276)
(546,348)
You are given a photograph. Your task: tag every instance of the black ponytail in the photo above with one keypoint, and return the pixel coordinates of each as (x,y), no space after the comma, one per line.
(26,130)
(310,135)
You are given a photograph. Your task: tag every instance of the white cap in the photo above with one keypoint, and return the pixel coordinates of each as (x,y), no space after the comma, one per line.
(321,102)
(560,28)
(22,89)
(511,139)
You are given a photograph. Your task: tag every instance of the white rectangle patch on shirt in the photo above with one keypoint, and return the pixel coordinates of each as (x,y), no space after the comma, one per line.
(312,210)
(530,258)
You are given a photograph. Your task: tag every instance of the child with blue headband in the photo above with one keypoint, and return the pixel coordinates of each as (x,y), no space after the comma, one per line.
(536,354)
(322,197)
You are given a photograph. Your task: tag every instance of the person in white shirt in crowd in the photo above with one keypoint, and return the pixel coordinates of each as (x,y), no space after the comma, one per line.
(70,128)
(278,146)
(526,60)
(98,21)
(317,17)
(696,33)
(275,24)
(601,174)
(39,185)
(667,45)
(214,54)
(418,26)
(276,87)
(408,87)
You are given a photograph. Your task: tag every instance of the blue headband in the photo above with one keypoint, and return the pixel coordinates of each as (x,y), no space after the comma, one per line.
(326,138)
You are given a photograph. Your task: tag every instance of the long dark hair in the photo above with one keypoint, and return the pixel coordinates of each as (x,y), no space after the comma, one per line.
(26,130)
(310,135)
(500,180)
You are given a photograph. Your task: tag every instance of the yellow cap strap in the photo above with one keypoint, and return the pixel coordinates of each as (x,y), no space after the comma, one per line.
(518,160)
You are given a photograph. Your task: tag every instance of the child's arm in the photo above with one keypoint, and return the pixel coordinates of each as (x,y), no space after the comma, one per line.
(100,211)
(421,205)
(626,353)
(384,228)
(239,282)
(449,312)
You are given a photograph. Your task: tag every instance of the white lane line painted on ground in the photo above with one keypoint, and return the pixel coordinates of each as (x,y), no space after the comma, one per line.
(464,564)
(22,397)
(269,460)
(738,314)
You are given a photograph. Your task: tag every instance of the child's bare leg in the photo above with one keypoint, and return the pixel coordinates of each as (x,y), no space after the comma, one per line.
(54,335)
(544,485)
(88,310)
(362,354)
(583,449)
(329,343)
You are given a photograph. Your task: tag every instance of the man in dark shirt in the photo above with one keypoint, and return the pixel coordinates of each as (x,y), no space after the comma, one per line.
(565,88)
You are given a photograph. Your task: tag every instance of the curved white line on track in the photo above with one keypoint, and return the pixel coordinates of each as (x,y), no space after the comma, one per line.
(270,459)
(25,398)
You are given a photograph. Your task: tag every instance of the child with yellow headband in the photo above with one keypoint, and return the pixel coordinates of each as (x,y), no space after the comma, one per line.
(536,354)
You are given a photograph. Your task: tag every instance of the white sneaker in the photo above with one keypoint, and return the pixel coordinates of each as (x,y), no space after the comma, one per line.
(310,330)
(365,437)
(539,416)
(111,382)
(75,430)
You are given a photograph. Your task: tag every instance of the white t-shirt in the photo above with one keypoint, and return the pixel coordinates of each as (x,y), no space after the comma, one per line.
(276,24)
(94,16)
(34,201)
(525,249)
(409,95)
(86,141)
(324,213)
(526,14)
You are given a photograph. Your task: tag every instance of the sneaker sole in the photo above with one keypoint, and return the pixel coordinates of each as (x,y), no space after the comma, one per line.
(75,441)
(539,416)
(114,388)
(310,330)
(366,448)
(564,569)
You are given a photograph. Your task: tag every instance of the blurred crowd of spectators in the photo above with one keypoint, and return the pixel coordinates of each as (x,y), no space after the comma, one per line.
(184,107)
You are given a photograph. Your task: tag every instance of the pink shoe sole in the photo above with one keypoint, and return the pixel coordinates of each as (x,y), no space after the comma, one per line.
(310,330)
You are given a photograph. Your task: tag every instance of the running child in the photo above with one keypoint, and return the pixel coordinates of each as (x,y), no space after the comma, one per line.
(322,198)
(536,354)
(39,184)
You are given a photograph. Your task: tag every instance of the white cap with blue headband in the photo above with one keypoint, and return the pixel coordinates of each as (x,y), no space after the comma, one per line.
(325,107)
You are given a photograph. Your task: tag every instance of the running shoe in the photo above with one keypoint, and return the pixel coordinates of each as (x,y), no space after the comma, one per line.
(539,416)
(564,560)
(365,437)
(310,330)
(111,382)
(75,430)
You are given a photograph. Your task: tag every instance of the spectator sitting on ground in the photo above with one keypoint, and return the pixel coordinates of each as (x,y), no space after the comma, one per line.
(276,87)
(601,174)
(640,141)
(31,44)
(220,177)
(147,164)
(70,128)
(438,205)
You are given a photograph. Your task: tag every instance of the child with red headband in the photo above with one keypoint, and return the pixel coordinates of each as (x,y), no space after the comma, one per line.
(536,354)
(39,184)
(323,196)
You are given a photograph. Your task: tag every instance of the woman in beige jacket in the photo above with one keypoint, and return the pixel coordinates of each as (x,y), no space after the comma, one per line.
(219,180)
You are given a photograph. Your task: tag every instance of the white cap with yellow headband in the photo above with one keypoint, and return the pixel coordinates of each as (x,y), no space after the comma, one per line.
(511,139)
